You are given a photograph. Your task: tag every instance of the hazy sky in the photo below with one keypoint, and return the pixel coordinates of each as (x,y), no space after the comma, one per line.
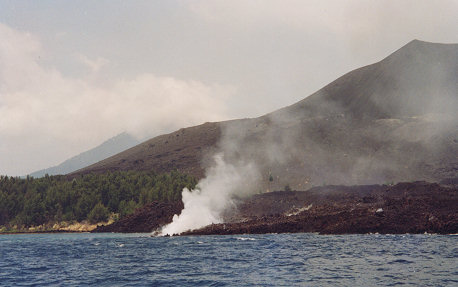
(75,73)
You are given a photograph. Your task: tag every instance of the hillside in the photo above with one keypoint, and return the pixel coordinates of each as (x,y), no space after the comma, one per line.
(108,148)
(415,207)
(182,150)
(391,121)
(52,202)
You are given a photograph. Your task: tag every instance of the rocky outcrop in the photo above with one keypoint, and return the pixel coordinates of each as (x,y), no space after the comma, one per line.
(145,219)
(415,207)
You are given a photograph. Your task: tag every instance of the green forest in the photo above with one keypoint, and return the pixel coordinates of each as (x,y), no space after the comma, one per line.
(26,202)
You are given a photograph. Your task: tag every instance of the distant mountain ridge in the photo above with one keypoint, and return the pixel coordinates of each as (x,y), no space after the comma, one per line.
(394,120)
(108,148)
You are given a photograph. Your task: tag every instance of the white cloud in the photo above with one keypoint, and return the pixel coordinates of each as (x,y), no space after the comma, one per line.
(47,117)
(94,65)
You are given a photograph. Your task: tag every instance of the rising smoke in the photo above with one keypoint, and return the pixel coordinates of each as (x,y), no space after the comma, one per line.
(213,194)
(388,122)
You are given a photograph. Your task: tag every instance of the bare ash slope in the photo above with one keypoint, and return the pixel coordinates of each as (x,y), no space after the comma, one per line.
(182,150)
(395,120)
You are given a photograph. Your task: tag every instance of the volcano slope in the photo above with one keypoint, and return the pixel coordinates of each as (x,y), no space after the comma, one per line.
(392,121)
(410,207)
(395,120)
(414,207)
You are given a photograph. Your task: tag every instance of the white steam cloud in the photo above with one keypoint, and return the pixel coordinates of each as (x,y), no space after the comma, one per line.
(213,195)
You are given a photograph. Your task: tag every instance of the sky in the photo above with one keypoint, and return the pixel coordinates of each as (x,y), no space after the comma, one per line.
(76,73)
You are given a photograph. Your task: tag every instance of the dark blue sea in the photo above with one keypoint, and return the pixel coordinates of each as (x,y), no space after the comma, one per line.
(242,260)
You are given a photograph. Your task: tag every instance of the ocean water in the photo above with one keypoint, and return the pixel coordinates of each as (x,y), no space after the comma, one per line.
(242,260)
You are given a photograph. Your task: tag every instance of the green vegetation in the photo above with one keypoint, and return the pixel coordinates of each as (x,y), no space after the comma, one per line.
(93,197)
(98,214)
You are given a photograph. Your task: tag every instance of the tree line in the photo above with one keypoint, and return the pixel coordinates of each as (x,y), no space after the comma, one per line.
(32,201)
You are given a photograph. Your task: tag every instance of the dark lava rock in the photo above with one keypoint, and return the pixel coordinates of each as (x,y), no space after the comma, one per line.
(410,207)
(145,219)
(416,207)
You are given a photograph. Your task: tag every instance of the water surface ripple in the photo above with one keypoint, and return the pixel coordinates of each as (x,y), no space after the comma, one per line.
(241,260)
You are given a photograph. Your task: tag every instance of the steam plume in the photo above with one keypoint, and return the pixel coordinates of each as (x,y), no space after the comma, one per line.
(213,194)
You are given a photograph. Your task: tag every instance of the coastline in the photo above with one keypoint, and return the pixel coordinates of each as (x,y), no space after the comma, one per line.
(403,208)
(41,232)
(60,227)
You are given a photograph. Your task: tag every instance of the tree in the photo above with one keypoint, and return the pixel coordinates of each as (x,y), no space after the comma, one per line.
(28,202)
(98,214)
(126,208)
